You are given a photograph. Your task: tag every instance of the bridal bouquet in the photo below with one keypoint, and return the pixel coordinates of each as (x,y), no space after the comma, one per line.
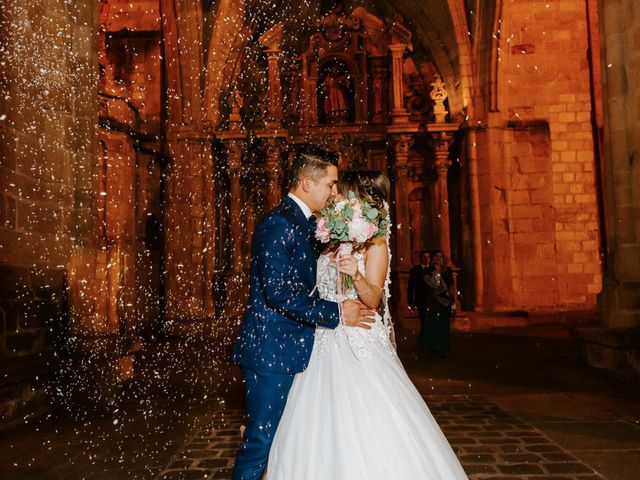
(350,221)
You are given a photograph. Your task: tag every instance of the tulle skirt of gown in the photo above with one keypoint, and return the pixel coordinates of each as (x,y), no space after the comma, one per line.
(355,414)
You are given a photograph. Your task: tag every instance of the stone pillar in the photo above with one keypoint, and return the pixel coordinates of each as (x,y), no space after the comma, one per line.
(401,146)
(399,113)
(188,235)
(275,107)
(272,39)
(274,172)
(478,272)
(379,74)
(234,163)
(441,166)
(443,136)
(614,345)
(402,252)
(620,299)
(236,290)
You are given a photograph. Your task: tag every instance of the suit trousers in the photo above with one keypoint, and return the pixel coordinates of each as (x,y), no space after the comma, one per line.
(266,395)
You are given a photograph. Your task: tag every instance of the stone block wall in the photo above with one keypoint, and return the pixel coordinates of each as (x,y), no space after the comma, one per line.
(537,167)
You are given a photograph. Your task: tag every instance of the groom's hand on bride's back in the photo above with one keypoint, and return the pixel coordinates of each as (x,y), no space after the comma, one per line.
(357,314)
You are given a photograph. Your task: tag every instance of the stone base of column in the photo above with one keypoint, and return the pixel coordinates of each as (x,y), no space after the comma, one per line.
(401,116)
(615,351)
(619,304)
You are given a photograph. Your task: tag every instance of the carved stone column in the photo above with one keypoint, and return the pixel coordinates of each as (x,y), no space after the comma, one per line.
(443,139)
(274,172)
(402,235)
(272,39)
(401,146)
(441,166)
(379,74)
(236,289)
(399,113)
(234,148)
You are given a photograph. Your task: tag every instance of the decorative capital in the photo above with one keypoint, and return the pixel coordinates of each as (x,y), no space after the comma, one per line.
(399,33)
(273,149)
(234,154)
(443,142)
(402,144)
(272,38)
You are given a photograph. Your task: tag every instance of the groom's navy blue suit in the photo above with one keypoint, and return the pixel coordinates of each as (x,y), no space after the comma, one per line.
(276,336)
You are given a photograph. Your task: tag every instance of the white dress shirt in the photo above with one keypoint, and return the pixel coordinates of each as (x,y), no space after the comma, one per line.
(303,206)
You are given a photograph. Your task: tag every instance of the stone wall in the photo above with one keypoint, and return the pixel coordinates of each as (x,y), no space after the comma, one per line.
(47,131)
(537,164)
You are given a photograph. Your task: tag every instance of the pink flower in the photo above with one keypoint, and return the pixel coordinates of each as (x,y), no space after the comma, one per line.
(322,232)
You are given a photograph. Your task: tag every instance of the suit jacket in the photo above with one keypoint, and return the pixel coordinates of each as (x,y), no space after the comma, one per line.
(277,331)
(418,292)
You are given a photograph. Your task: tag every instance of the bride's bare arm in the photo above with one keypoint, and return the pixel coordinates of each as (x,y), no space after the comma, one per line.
(368,286)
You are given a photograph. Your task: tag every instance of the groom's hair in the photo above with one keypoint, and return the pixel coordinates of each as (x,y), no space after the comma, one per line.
(310,161)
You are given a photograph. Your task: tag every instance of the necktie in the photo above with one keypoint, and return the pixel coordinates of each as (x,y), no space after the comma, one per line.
(313,222)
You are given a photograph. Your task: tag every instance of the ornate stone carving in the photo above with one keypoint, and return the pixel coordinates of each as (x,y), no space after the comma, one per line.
(334,25)
(235,104)
(272,40)
(273,152)
(401,146)
(439,95)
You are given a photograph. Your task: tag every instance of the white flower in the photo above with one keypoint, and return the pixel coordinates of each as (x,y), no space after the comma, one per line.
(340,205)
(345,249)
(359,230)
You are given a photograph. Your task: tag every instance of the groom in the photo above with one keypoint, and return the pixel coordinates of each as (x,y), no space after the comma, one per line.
(276,336)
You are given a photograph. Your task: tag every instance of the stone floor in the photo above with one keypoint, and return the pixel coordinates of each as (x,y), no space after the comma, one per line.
(490,443)
(514,403)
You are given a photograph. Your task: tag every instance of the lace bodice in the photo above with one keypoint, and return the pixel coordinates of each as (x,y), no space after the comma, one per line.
(328,278)
(358,339)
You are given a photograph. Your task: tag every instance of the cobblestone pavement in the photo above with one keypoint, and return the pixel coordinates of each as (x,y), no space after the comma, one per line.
(491,443)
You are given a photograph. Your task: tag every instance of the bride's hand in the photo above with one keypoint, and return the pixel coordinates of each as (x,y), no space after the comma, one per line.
(349,265)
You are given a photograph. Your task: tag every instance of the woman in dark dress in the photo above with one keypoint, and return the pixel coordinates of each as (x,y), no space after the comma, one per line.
(439,281)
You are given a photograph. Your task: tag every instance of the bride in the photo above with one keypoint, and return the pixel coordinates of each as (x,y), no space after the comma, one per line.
(354,414)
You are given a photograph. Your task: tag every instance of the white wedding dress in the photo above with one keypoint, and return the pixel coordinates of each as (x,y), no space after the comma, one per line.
(354,414)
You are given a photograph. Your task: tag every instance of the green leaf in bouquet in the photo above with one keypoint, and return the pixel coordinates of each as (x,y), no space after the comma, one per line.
(372,213)
(348,213)
(351,195)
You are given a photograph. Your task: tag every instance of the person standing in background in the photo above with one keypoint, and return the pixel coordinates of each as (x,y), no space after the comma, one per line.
(418,291)
(439,282)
